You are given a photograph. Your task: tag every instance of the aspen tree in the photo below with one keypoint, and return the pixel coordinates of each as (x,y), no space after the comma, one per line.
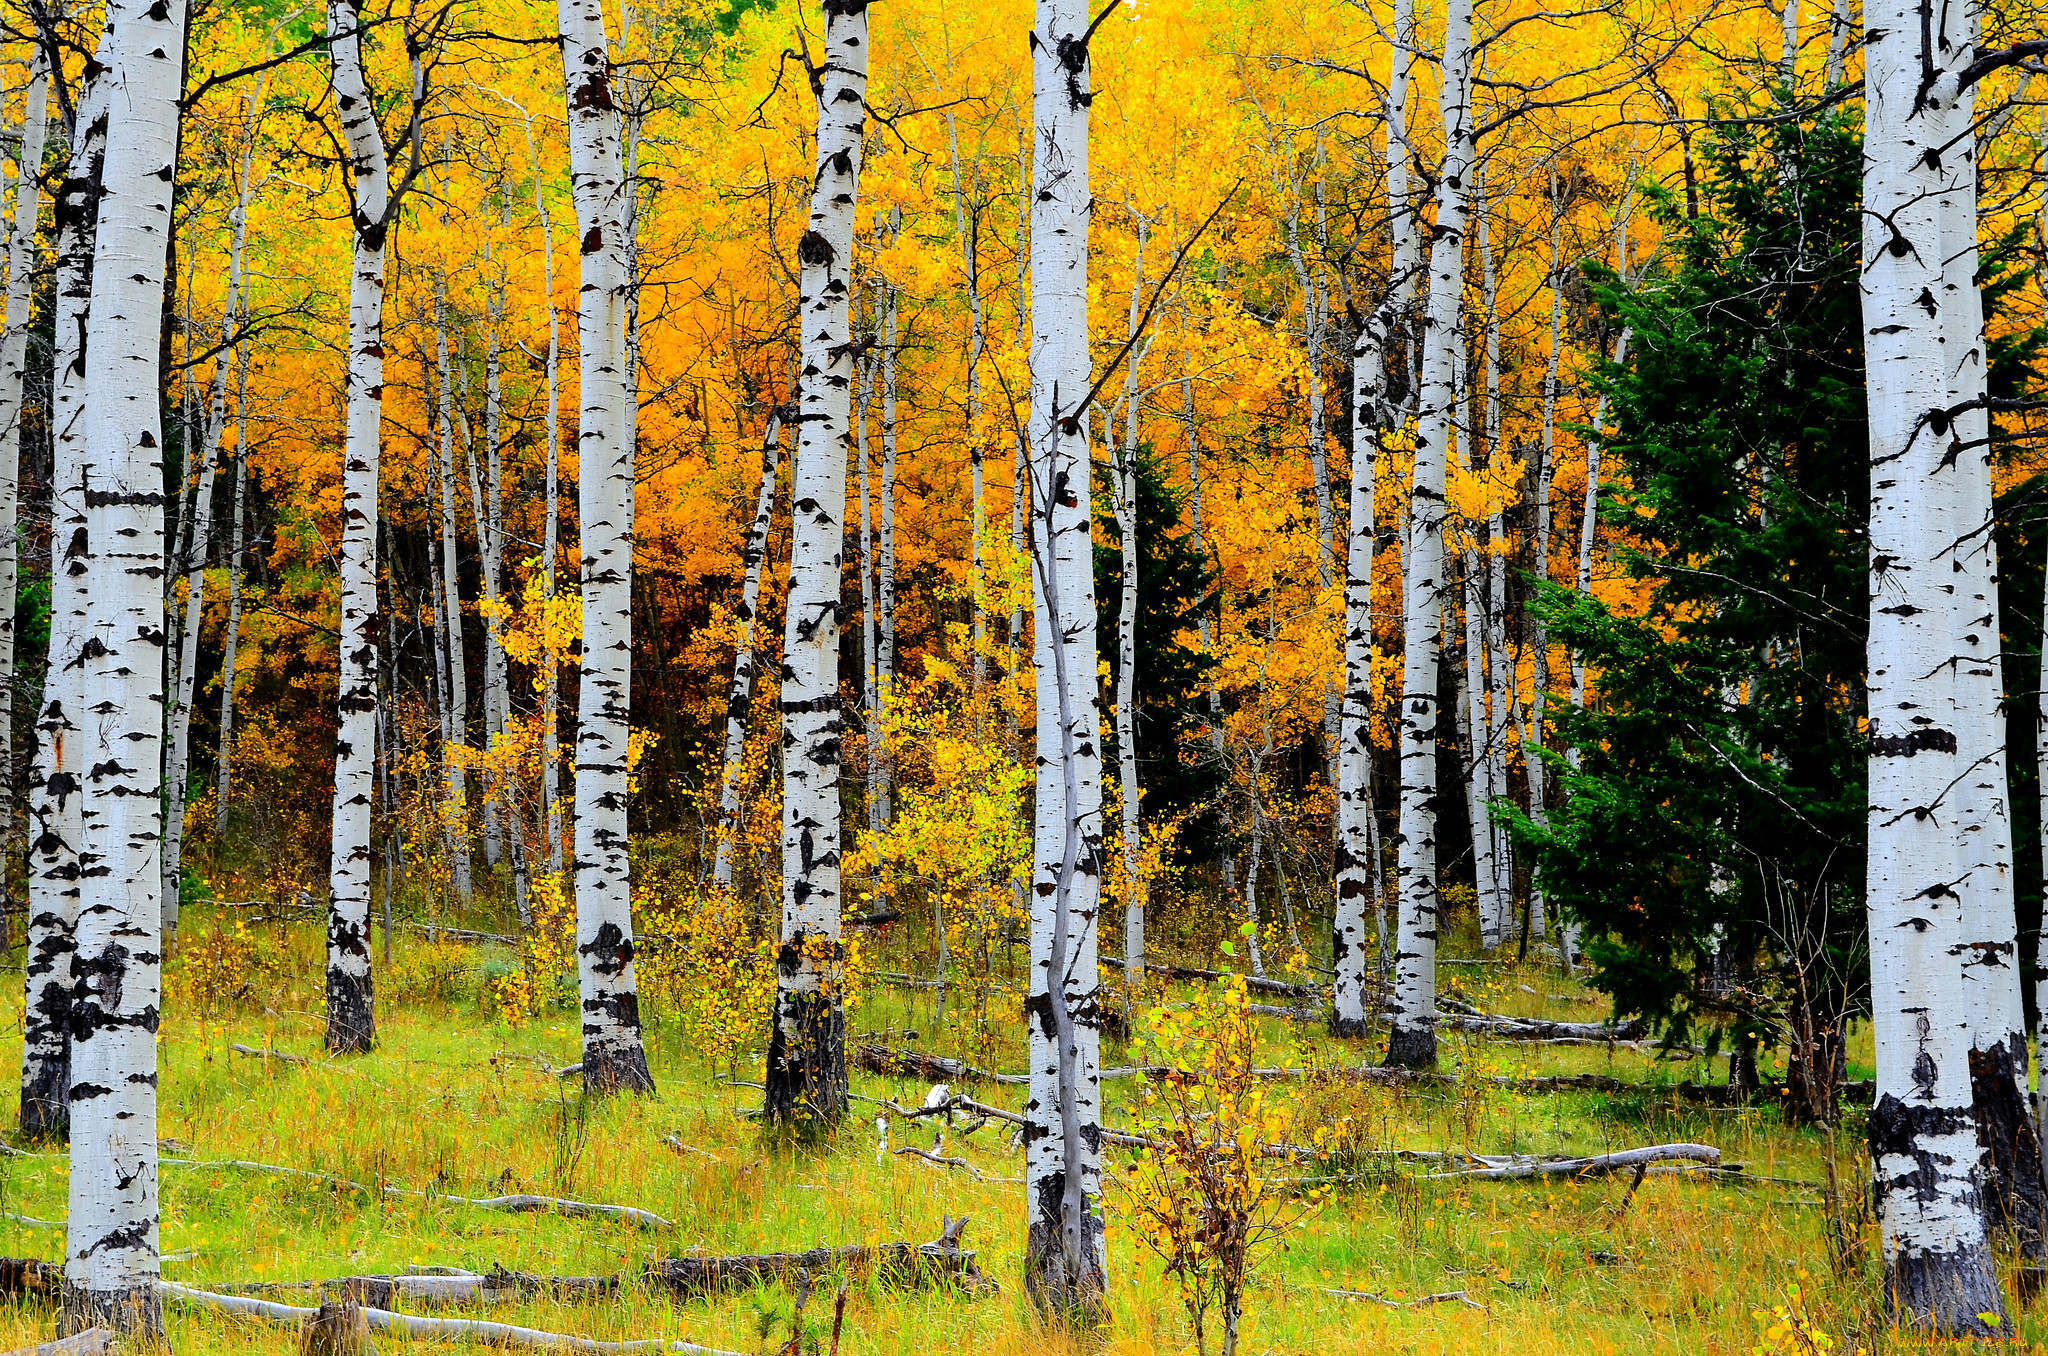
(455,694)
(807,1047)
(1124,479)
(1412,1008)
(21,260)
(1924,1147)
(614,1058)
(1065,1262)
(351,1006)
(56,799)
(111,1262)
(1373,414)
(967,225)
(740,696)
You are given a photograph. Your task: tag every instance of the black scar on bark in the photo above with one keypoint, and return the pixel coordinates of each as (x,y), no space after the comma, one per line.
(2016,1196)
(1946,1293)
(1411,1047)
(1047,1278)
(806,1063)
(135,1311)
(351,1012)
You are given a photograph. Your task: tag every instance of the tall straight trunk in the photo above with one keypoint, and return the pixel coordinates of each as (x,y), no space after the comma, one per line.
(2017,1194)
(967,225)
(21,260)
(1412,1010)
(807,1048)
(55,798)
(1923,1141)
(490,518)
(1788,57)
(1841,23)
(1124,475)
(614,1057)
(1539,657)
(1373,414)
(1314,318)
(1499,671)
(885,573)
(111,1263)
(351,1006)
(1199,544)
(455,724)
(184,674)
(224,757)
(1471,714)
(551,531)
(1065,1264)
(740,696)
(864,388)
(483,508)
(1020,480)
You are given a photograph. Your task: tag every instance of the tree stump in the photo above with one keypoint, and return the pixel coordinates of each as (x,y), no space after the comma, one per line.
(338,1328)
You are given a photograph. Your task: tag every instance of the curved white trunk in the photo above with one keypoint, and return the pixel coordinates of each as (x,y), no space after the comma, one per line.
(807,1049)
(1373,413)
(21,259)
(111,1264)
(1412,1037)
(1065,1260)
(613,1055)
(1923,1138)
(55,799)
(741,695)
(351,1024)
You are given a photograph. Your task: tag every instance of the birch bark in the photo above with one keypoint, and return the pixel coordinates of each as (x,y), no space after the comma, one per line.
(1412,1035)
(1065,1261)
(351,995)
(807,1048)
(1124,474)
(224,761)
(614,1057)
(740,697)
(55,792)
(21,259)
(1923,1139)
(455,708)
(111,1263)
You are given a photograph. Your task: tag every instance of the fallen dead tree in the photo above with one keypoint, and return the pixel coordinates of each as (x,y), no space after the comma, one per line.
(521,1204)
(92,1342)
(1253,982)
(940,1262)
(428,1329)
(1542,1029)
(879,1059)
(1419,1302)
(1596,1166)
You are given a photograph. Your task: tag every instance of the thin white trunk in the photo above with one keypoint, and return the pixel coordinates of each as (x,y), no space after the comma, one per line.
(967,225)
(807,1049)
(1788,58)
(1065,1265)
(613,1055)
(1499,669)
(1924,1146)
(1373,414)
(111,1262)
(864,386)
(885,573)
(1532,730)
(231,642)
(351,1004)
(1841,27)
(455,731)
(55,799)
(491,520)
(21,259)
(741,695)
(1412,1036)
(1124,476)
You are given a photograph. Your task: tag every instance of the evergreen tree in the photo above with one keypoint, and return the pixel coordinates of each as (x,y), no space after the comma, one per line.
(1712,839)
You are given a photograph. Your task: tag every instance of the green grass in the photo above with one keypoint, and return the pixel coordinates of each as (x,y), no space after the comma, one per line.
(453,1100)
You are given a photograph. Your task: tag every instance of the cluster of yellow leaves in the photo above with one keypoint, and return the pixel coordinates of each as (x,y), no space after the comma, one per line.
(547,951)
(1789,1330)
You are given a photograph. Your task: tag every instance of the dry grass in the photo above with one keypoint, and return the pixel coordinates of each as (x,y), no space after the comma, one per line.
(454,1101)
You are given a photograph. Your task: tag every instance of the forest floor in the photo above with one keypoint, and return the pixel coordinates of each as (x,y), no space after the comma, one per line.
(455,1101)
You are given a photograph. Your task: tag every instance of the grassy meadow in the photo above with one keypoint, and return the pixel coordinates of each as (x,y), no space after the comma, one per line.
(457,1100)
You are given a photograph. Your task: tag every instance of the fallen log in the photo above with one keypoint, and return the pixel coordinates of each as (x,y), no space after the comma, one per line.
(431,1329)
(1595,1166)
(934,1068)
(941,1262)
(253,1053)
(1420,1301)
(1538,1028)
(91,1342)
(492,1287)
(1253,982)
(521,1204)
(26,1276)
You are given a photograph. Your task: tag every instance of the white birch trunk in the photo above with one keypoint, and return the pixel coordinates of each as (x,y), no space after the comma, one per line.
(807,1049)
(351,1004)
(224,760)
(55,793)
(1373,413)
(1412,1034)
(497,678)
(740,697)
(885,573)
(1539,697)
(21,259)
(455,710)
(185,672)
(111,1263)
(1065,1259)
(968,227)
(1499,669)
(613,1056)
(1924,1147)
(1788,58)
(1841,25)
(1124,475)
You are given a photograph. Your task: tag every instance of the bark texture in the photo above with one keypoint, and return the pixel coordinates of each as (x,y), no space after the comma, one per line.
(614,1059)
(111,1265)
(21,260)
(741,695)
(807,1048)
